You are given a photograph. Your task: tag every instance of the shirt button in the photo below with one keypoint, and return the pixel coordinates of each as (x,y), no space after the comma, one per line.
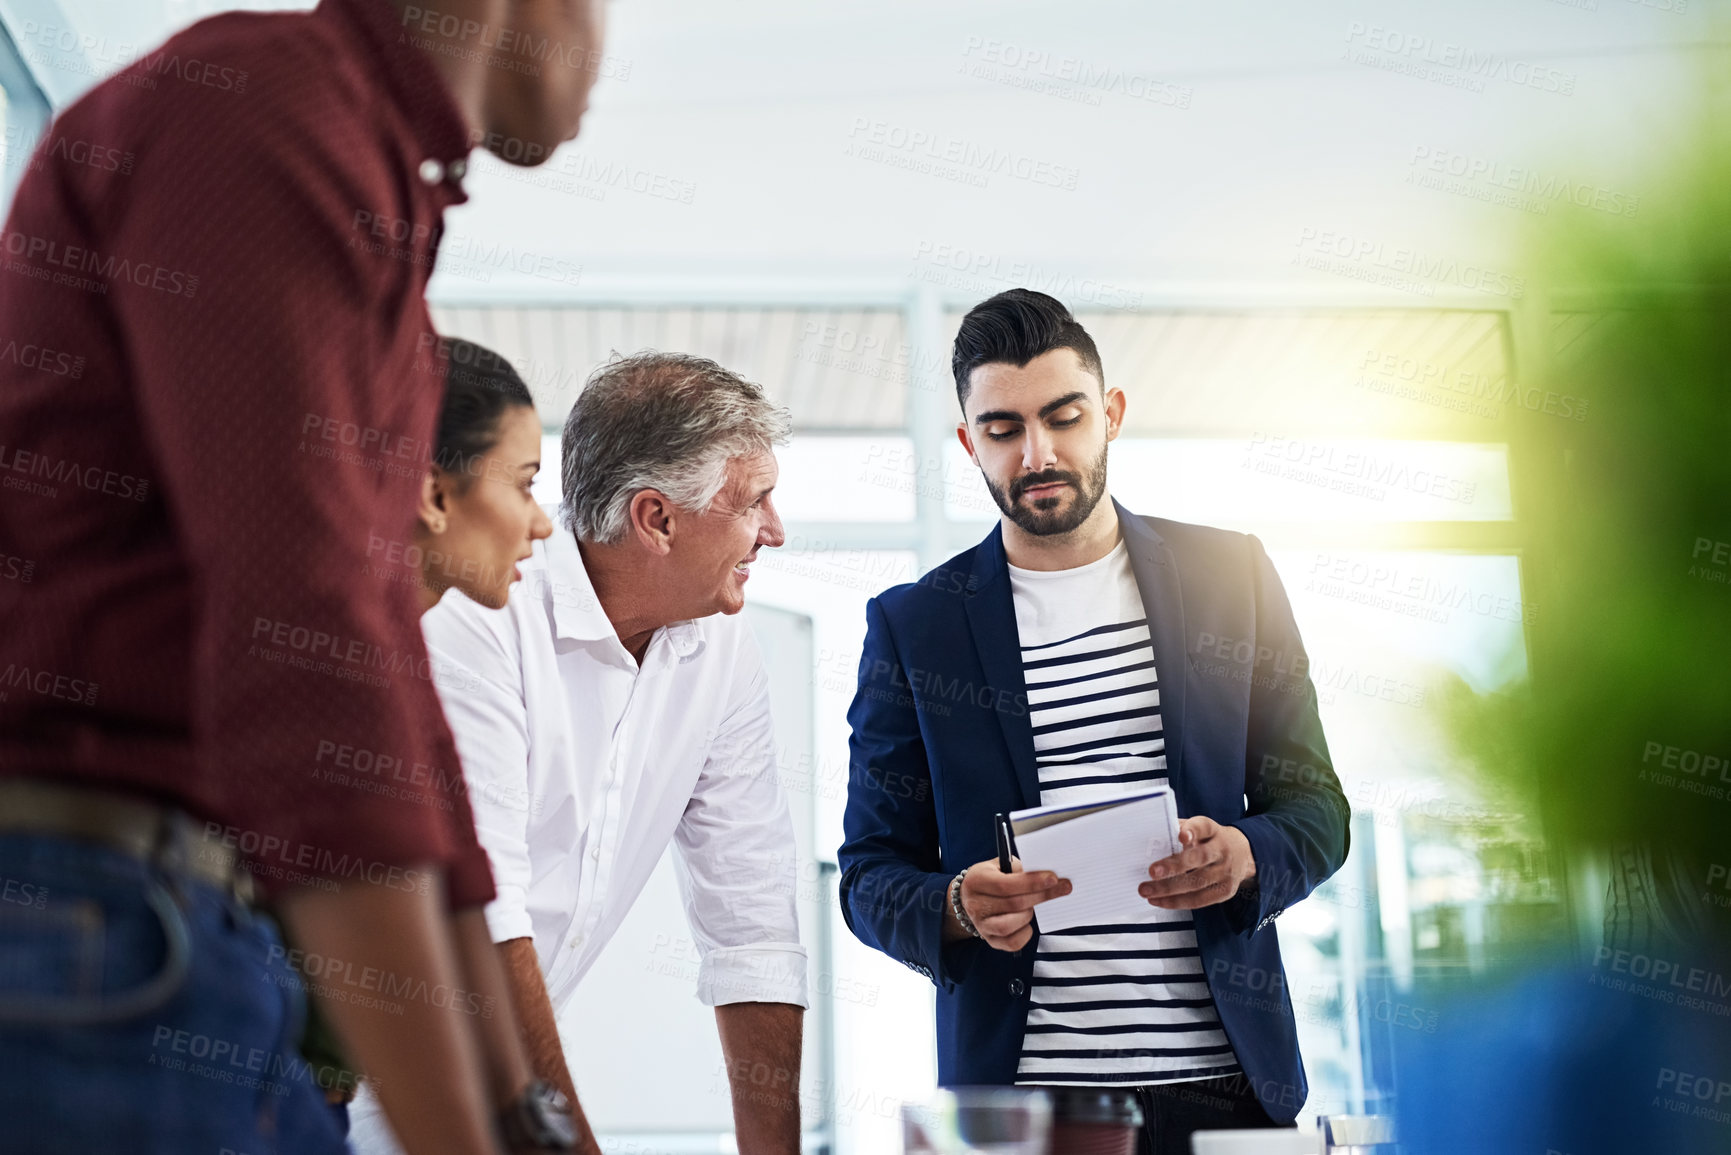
(595,854)
(576,942)
(1016,988)
(432,172)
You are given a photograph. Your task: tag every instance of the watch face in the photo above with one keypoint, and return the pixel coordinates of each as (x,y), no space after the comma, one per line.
(541,1119)
(552,1115)
(552,1096)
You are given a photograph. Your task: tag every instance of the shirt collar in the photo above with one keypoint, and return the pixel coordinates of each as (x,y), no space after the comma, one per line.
(577,612)
(686,638)
(415,86)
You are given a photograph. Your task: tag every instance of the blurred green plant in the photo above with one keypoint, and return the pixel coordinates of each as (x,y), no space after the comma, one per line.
(1622,734)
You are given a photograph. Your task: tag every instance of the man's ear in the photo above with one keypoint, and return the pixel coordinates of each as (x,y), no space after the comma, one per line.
(967,441)
(432,508)
(653,520)
(1115,404)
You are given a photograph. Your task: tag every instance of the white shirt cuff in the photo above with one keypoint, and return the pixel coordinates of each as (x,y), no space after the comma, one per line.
(771,972)
(508,915)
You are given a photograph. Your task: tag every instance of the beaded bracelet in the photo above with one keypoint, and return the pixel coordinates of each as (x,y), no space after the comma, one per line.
(956,905)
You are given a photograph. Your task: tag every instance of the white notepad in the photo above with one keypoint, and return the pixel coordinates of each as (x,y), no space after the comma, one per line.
(1104,848)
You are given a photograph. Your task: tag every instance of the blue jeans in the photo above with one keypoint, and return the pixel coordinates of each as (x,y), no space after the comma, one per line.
(145,1013)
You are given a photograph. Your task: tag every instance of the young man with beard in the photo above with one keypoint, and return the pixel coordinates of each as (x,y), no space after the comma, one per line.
(1059,662)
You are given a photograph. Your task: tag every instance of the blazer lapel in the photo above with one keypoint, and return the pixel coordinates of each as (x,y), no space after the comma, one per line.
(1157,578)
(991,614)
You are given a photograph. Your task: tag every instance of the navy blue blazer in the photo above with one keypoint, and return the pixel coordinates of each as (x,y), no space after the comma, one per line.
(942,740)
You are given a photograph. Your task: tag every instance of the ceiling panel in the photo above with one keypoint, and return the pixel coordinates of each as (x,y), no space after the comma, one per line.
(1418,374)
(835,369)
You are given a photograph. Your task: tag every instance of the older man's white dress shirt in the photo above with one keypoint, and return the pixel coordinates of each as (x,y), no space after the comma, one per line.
(582,767)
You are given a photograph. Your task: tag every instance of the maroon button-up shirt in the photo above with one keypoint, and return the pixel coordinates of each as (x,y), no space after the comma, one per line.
(216,399)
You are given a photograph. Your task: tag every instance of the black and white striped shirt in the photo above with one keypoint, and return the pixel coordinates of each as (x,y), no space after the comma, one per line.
(1125,1004)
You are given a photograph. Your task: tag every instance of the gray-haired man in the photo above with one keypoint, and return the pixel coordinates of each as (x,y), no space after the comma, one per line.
(621,707)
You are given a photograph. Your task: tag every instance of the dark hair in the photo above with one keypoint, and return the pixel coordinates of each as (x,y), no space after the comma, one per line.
(1014,327)
(480,386)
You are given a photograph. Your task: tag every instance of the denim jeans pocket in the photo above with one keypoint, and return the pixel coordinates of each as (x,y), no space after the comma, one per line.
(51,951)
(104,940)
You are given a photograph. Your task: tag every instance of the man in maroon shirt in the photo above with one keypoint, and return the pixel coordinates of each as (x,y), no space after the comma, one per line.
(209,406)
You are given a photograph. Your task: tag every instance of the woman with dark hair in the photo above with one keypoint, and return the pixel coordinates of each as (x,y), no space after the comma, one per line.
(477,518)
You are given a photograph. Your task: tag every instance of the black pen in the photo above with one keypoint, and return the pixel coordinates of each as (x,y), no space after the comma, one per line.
(1003,843)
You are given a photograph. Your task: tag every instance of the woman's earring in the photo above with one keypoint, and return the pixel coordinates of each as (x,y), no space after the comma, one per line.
(437,526)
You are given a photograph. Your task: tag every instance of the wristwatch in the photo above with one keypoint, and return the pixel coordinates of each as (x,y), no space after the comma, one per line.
(538,1120)
(956,905)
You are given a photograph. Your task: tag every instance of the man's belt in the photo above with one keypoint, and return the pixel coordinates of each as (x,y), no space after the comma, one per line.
(159,835)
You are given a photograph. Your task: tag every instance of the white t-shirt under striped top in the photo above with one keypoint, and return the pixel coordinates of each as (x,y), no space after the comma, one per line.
(1125,1004)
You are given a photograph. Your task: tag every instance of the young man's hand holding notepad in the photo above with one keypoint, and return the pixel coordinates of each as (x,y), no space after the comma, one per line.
(1104,848)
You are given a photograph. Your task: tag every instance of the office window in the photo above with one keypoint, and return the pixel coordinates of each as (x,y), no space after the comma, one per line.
(24,115)
(1264,480)
(1433,881)
(852,479)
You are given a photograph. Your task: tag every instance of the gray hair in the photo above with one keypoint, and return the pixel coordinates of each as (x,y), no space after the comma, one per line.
(664,421)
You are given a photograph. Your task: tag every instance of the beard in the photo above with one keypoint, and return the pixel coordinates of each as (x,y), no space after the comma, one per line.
(1048,516)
